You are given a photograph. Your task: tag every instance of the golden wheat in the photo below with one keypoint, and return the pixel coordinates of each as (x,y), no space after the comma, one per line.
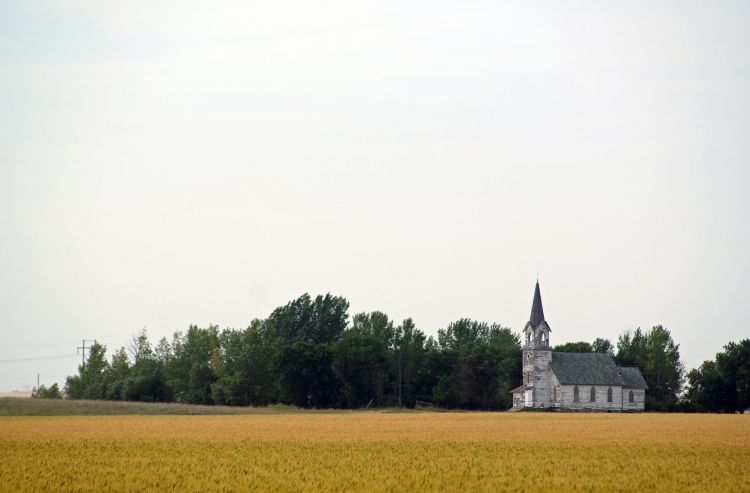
(377,452)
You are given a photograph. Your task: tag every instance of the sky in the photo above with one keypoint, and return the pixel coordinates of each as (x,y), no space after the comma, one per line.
(172,163)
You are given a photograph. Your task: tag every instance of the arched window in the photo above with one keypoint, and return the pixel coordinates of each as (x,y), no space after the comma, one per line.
(528,338)
(609,394)
(554,393)
(631,397)
(575,394)
(592,398)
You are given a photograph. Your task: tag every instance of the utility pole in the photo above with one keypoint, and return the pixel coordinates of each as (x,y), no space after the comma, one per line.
(83,349)
(37,382)
(399,378)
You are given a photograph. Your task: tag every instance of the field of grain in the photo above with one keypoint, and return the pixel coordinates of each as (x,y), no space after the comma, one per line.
(377,452)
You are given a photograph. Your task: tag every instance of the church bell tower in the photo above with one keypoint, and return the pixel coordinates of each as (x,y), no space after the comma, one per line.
(536,356)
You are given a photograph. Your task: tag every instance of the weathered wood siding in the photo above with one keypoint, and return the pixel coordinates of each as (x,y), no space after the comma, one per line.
(566,398)
(639,398)
(537,374)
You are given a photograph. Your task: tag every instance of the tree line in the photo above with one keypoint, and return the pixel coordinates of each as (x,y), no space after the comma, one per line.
(311,353)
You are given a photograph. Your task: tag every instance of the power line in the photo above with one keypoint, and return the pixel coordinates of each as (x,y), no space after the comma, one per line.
(83,349)
(37,358)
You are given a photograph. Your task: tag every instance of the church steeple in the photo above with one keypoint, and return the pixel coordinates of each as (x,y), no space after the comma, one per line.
(537,330)
(537,312)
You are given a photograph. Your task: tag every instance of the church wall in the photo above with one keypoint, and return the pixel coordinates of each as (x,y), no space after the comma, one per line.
(537,363)
(555,398)
(566,398)
(639,396)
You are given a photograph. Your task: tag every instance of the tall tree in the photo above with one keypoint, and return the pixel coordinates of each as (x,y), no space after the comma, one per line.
(376,324)
(361,365)
(317,321)
(187,369)
(734,365)
(658,357)
(306,374)
(706,389)
(90,383)
(477,365)
(603,346)
(145,380)
(248,359)
(117,375)
(410,360)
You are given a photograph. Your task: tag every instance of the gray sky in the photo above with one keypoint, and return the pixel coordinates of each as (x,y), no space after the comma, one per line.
(163,164)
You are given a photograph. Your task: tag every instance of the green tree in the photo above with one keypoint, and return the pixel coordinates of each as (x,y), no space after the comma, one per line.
(410,358)
(317,321)
(360,362)
(306,374)
(187,370)
(603,346)
(734,365)
(117,375)
(477,366)
(249,373)
(574,347)
(53,392)
(90,383)
(463,333)
(508,351)
(722,385)
(145,381)
(376,324)
(658,358)
(706,389)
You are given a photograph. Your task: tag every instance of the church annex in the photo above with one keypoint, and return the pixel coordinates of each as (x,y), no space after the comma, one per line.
(572,381)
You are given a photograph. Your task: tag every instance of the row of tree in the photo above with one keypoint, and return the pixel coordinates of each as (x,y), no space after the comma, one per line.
(310,353)
(723,384)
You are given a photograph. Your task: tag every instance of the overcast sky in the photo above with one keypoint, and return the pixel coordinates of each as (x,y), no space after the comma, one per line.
(173,163)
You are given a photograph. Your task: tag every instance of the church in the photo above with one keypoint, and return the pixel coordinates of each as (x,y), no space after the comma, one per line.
(572,381)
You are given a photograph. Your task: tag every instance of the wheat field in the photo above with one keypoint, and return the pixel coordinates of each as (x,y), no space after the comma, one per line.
(377,451)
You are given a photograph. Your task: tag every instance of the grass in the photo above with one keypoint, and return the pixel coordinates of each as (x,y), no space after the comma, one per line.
(375,451)
(64,407)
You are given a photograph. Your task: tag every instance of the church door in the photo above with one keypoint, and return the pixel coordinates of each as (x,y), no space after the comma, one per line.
(529,398)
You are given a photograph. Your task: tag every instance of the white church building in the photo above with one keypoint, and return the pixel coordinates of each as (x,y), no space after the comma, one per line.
(572,381)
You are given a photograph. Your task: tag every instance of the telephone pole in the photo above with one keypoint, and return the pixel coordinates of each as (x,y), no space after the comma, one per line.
(83,349)
(399,379)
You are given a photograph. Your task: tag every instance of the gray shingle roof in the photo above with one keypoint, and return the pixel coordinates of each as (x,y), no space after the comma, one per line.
(585,369)
(632,377)
(594,369)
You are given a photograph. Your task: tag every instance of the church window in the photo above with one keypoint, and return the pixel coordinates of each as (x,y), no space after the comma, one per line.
(609,394)
(593,394)
(554,393)
(631,397)
(575,394)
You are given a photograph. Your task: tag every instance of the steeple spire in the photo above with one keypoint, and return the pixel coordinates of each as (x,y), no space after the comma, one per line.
(537,312)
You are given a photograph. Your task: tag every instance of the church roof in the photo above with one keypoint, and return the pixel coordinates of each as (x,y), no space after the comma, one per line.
(632,377)
(537,312)
(518,389)
(594,369)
